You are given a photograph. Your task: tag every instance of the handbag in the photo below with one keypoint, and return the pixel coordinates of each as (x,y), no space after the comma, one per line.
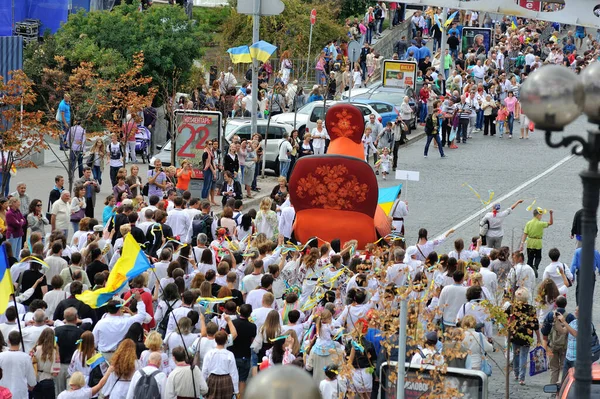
(538,362)
(77,216)
(486,367)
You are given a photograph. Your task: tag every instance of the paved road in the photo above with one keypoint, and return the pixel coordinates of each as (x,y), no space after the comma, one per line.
(438,202)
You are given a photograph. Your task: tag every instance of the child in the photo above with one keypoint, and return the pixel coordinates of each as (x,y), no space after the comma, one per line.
(455,122)
(384,162)
(501,119)
(367,141)
(332,387)
(324,331)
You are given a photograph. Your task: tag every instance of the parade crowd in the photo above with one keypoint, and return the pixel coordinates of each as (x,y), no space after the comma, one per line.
(231,293)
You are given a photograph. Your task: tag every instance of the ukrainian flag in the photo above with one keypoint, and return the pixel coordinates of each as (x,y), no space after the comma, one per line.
(450,19)
(95,360)
(515,23)
(6,285)
(262,50)
(240,54)
(387,197)
(132,263)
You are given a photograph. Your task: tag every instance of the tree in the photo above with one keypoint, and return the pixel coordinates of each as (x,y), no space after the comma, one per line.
(21,131)
(289,30)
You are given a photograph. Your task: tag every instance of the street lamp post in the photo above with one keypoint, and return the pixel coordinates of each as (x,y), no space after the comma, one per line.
(552,97)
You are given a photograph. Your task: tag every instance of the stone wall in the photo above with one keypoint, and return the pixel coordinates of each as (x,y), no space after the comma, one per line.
(385,45)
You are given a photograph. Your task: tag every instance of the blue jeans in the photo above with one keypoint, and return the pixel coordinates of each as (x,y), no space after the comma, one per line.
(423,112)
(207,183)
(16,244)
(77,157)
(500,128)
(510,121)
(454,53)
(479,122)
(447,74)
(241,174)
(369,35)
(430,137)
(284,167)
(520,359)
(97,173)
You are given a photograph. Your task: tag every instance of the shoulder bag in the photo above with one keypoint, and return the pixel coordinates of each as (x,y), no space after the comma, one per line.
(485,365)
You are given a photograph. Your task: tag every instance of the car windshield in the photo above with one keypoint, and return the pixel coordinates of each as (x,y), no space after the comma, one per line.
(306,110)
(229,128)
(595,390)
(395,98)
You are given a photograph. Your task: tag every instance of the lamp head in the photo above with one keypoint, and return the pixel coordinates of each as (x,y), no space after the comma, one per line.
(552,97)
(590,78)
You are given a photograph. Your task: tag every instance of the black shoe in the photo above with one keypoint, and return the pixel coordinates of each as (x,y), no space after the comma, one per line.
(464,142)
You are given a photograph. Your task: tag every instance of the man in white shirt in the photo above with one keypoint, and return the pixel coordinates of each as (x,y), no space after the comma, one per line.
(146,220)
(61,213)
(187,304)
(193,208)
(110,330)
(479,72)
(255,297)
(32,333)
(259,314)
(55,262)
(11,322)
(490,279)
(252,281)
(556,270)
(398,272)
(521,275)
(452,298)
(180,382)
(152,369)
(286,219)
(179,221)
(17,370)
(160,268)
(247,100)
(285,148)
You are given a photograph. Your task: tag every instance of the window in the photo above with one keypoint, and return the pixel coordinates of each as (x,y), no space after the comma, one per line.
(382,108)
(364,109)
(275,132)
(317,113)
(305,110)
(245,132)
(395,98)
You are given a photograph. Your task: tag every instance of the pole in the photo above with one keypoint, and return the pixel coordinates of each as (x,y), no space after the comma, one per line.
(351,78)
(443,45)
(18,322)
(308,58)
(401,349)
(591,185)
(264,160)
(255,38)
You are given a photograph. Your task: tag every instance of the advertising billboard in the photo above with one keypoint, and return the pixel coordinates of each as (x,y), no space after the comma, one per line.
(478,38)
(399,74)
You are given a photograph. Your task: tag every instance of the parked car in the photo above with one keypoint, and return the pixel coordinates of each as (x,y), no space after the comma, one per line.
(307,116)
(387,110)
(164,154)
(566,389)
(243,128)
(390,95)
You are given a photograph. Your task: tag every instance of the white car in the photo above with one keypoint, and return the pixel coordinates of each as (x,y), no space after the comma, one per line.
(362,90)
(307,116)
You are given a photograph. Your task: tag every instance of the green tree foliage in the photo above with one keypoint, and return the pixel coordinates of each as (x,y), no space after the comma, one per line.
(352,8)
(288,31)
(170,43)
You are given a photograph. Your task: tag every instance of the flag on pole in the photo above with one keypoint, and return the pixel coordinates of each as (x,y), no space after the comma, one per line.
(132,263)
(387,197)
(515,23)
(6,285)
(262,50)
(95,360)
(450,19)
(240,54)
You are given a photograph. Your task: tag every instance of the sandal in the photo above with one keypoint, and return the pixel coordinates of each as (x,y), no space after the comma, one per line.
(249,196)
(521,382)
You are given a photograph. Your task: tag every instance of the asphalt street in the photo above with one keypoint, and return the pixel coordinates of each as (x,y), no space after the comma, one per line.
(513,169)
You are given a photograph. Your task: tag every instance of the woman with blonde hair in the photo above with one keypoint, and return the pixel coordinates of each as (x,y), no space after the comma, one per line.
(45,354)
(134,181)
(154,343)
(266,220)
(125,364)
(270,330)
(78,387)
(474,341)
(85,351)
(486,295)
(96,159)
(78,204)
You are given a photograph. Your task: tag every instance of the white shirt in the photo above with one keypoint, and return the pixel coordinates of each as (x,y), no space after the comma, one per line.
(255,297)
(286,221)
(479,71)
(110,330)
(53,298)
(62,210)
(221,362)
(522,275)
(31,335)
(250,282)
(481,315)
(6,328)
(332,389)
(284,148)
(179,383)
(318,138)
(490,281)
(160,269)
(495,222)
(259,315)
(81,393)
(177,314)
(529,59)
(56,264)
(397,274)
(427,248)
(551,271)
(181,224)
(192,212)
(465,254)
(161,380)
(452,298)
(17,373)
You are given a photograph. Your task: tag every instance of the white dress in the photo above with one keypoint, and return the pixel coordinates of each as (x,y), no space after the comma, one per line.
(398,213)
(385,162)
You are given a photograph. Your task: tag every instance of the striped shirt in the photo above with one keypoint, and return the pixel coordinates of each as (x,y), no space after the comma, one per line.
(464,110)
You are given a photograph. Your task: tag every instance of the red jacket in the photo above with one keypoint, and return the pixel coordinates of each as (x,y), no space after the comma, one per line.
(147,299)
(424,94)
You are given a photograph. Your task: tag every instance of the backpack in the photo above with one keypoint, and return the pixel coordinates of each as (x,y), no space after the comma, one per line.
(202,224)
(557,339)
(147,387)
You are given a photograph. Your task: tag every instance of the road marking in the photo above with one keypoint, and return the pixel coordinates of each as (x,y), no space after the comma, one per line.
(510,194)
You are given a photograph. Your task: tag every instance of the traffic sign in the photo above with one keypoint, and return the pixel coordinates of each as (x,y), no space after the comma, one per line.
(267,7)
(313,16)
(353,51)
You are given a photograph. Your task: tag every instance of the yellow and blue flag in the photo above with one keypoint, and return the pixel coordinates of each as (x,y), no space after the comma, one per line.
(95,360)
(240,54)
(515,23)
(262,50)
(450,19)
(6,285)
(387,197)
(132,263)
